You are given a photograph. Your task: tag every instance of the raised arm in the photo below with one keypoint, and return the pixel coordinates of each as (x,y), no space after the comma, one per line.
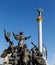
(7,35)
(16,36)
(27,37)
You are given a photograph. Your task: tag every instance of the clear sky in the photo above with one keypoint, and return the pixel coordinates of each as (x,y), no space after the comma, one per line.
(20,15)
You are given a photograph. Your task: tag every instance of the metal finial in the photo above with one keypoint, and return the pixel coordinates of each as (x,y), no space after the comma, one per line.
(40,11)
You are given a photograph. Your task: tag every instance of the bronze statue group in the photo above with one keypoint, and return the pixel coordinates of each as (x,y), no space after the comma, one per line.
(20,54)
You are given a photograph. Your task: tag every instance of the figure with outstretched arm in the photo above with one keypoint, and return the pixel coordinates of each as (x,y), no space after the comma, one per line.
(7,35)
(20,38)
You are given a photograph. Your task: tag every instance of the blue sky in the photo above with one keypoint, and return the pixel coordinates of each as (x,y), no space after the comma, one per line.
(20,15)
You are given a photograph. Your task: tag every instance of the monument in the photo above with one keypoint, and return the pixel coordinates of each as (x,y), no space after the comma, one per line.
(20,54)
